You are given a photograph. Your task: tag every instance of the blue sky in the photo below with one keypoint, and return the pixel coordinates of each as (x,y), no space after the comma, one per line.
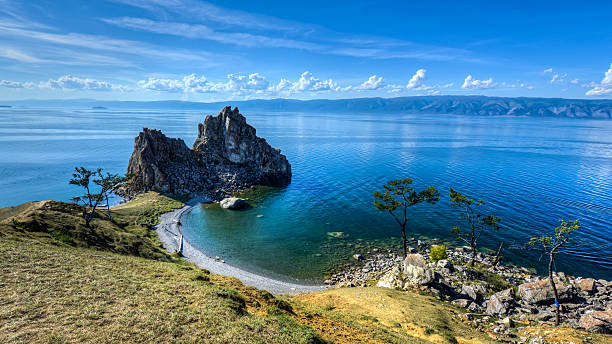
(210,51)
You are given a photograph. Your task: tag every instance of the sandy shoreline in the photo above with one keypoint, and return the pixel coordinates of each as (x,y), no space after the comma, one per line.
(168,231)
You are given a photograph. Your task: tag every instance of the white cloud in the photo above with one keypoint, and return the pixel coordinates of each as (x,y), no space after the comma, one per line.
(236,83)
(200,19)
(16,84)
(199,31)
(18,55)
(604,87)
(418,79)
(284,85)
(607,80)
(575,81)
(69,82)
(373,83)
(474,84)
(449,85)
(310,83)
(558,78)
(166,85)
(546,71)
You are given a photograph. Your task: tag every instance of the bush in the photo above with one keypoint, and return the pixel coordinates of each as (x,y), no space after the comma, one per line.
(438,253)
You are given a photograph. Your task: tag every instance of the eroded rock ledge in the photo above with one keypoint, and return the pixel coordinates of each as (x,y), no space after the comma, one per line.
(227,156)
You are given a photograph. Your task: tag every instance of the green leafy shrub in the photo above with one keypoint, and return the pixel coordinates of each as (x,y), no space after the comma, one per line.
(438,253)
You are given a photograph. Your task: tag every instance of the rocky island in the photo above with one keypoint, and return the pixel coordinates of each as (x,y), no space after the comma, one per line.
(226,157)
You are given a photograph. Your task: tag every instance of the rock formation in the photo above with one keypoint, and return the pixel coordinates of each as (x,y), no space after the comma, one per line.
(227,156)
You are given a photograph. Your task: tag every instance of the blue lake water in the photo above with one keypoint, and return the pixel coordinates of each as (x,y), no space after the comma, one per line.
(532,172)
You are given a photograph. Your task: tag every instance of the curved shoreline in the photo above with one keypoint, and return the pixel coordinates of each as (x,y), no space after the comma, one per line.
(169,233)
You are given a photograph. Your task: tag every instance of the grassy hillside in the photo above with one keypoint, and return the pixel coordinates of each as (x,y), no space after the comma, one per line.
(60,294)
(131,232)
(62,282)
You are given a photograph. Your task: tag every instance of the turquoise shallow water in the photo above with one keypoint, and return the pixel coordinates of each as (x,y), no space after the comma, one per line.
(531,171)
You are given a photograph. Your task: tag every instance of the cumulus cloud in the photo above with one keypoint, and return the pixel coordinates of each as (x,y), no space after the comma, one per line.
(475,84)
(240,84)
(418,79)
(236,83)
(311,83)
(69,82)
(373,83)
(16,84)
(604,87)
(165,85)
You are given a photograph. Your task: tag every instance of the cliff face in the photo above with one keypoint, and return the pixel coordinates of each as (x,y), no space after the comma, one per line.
(227,156)
(229,147)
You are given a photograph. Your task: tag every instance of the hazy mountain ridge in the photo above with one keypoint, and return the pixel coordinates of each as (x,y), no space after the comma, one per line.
(459,105)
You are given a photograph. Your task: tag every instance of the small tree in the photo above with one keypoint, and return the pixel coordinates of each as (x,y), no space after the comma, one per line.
(399,194)
(551,243)
(90,200)
(108,183)
(476,221)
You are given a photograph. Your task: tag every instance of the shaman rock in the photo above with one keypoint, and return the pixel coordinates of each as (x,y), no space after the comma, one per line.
(227,156)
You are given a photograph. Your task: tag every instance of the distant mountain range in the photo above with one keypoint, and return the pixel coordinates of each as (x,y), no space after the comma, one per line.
(458,105)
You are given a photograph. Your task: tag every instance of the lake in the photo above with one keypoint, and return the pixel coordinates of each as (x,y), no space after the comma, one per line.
(532,172)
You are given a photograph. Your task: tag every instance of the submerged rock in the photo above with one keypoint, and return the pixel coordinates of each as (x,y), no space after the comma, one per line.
(232,203)
(226,156)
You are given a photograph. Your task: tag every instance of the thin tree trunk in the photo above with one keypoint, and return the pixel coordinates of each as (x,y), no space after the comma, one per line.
(404,241)
(501,246)
(473,254)
(472,240)
(110,217)
(554,287)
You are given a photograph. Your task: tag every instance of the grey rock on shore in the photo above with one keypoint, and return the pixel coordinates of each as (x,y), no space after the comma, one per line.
(232,203)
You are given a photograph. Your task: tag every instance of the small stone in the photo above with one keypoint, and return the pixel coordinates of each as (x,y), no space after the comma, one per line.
(357,256)
(463,303)
(444,264)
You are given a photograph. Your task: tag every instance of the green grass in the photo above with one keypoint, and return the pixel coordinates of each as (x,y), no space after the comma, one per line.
(131,232)
(60,294)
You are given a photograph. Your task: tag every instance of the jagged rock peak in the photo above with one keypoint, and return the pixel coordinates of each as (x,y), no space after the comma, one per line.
(227,141)
(227,156)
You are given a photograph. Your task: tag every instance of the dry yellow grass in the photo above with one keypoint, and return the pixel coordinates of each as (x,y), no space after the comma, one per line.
(391,316)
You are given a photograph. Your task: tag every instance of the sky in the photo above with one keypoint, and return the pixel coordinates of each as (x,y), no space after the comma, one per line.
(232,50)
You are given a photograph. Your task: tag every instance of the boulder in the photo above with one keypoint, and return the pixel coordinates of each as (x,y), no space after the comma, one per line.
(541,292)
(597,321)
(587,285)
(473,291)
(226,156)
(391,279)
(232,203)
(416,270)
(497,303)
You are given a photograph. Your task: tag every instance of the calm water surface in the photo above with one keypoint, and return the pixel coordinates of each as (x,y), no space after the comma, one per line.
(531,172)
